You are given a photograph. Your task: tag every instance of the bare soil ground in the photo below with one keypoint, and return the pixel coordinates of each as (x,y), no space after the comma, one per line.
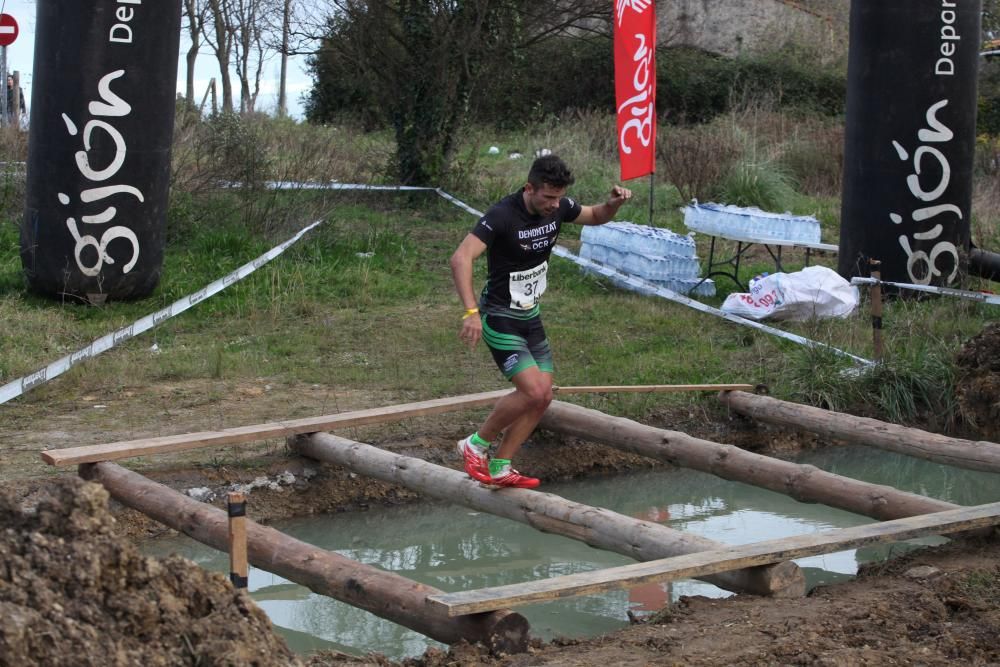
(74,591)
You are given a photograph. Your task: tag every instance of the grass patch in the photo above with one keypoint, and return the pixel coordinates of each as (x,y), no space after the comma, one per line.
(981,587)
(366,301)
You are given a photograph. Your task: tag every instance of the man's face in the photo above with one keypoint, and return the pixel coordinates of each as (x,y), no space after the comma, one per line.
(543,200)
(10,82)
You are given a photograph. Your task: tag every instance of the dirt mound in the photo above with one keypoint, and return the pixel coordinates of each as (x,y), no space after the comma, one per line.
(74,593)
(979,381)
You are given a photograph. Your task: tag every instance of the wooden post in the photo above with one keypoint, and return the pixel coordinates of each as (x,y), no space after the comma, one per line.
(596,526)
(384,594)
(237,510)
(969,454)
(876,295)
(805,483)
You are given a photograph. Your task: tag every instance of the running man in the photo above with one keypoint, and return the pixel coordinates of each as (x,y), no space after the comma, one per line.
(519,233)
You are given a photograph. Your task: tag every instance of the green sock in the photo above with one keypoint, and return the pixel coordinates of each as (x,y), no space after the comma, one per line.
(479,442)
(496,465)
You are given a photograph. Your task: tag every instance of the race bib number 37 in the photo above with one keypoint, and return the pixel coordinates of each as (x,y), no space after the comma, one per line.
(526,287)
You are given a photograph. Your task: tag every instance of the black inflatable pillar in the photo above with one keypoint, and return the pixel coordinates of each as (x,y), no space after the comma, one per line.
(102,117)
(910,139)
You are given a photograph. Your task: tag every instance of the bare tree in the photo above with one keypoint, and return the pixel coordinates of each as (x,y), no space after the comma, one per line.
(286,17)
(220,38)
(246,31)
(423,58)
(194,12)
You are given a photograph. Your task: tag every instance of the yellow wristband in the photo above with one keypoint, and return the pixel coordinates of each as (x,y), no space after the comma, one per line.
(469,313)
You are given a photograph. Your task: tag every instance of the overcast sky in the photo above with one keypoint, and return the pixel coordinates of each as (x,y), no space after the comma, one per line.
(20,55)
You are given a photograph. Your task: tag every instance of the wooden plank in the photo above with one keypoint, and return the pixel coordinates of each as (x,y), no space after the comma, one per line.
(284,429)
(722,560)
(652,388)
(241,434)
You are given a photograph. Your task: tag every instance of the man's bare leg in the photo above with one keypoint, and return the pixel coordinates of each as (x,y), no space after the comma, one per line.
(517,414)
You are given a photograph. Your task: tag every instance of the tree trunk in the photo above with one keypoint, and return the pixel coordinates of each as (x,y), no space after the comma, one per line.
(598,527)
(223,49)
(194,33)
(979,455)
(384,594)
(805,483)
(283,77)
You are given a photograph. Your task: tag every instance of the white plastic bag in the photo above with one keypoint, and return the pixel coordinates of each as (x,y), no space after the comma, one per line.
(815,291)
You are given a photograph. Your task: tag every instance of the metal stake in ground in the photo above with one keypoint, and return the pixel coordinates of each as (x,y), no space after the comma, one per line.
(238,570)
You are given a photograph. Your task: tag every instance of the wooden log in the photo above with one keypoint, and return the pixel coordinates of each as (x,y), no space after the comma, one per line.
(805,483)
(596,526)
(382,593)
(707,562)
(969,454)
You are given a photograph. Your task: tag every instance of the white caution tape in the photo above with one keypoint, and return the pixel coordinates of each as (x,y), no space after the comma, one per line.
(21,385)
(982,297)
(104,343)
(645,287)
(458,203)
(333,185)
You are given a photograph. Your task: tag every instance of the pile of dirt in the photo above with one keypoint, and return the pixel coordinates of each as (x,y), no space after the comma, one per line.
(73,592)
(979,381)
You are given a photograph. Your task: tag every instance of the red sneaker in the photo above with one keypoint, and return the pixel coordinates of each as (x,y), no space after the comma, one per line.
(477,465)
(513,478)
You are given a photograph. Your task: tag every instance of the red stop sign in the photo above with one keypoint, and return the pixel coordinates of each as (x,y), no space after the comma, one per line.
(8,29)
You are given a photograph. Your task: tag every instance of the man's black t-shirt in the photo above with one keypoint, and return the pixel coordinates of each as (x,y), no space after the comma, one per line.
(519,245)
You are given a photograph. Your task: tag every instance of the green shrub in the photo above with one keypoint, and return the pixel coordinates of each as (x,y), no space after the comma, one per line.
(696,159)
(814,158)
(694,87)
(761,184)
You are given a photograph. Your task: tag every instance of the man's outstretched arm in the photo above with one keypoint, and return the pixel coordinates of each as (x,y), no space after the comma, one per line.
(602,213)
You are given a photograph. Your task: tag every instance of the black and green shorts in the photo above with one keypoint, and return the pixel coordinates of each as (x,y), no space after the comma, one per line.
(517,341)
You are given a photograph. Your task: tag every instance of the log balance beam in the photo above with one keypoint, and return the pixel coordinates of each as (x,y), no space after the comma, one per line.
(804,483)
(969,454)
(596,526)
(720,560)
(284,429)
(382,593)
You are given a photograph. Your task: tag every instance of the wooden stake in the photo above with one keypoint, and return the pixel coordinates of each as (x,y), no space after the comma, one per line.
(238,570)
(876,295)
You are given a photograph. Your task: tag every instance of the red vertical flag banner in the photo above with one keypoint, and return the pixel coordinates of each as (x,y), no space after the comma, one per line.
(635,86)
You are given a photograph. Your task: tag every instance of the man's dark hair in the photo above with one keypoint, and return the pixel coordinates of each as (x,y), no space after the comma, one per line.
(549,169)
